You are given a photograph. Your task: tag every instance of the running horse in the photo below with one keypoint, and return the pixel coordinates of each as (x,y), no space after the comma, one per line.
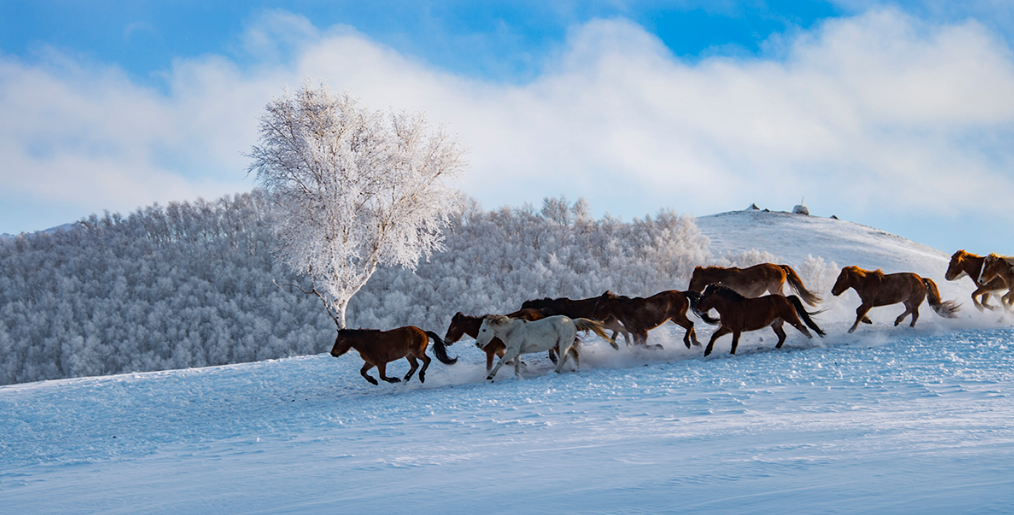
(521,336)
(739,313)
(752,281)
(1000,268)
(378,348)
(639,314)
(462,324)
(583,308)
(965,263)
(879,289)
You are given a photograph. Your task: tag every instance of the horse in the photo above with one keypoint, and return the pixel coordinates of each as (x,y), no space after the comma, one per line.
(752,281)
(1000,268)
(462,324)
(521,336)
(965,263)
(740,313)
(378,348)
(879,289)
(584,308)
(639,314)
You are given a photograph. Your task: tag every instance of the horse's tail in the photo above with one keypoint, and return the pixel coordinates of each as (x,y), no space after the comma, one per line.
(586,324)
(440,350)
(805,316)
(797,286)
(946,309)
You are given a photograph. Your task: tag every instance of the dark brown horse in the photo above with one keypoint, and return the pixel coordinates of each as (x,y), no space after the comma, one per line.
(753,281)
(739,313)
(879,289)
(378,348)
(584,308)
(1000,268)
(462,324)
(639,314)
(965,263)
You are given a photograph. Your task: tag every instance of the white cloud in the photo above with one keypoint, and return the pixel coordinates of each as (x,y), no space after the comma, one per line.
(875,111)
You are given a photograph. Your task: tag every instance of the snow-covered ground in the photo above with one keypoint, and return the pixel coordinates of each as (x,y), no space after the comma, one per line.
(887,420)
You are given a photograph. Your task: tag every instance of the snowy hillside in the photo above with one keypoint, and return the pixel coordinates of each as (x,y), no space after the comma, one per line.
(888,420)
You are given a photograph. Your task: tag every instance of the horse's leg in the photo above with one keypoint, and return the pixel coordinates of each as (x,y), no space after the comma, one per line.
(413,364)
(490,352)
(777,327)
(860,315)
(362,372)
(682,320)
(552,355)
(721,331)
(735,341)
(564,350)
(426,364)
(576,356)
(503,359)
(910,307)
(382,370)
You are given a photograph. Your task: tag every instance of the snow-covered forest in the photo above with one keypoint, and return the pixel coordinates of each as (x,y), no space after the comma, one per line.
(193,284)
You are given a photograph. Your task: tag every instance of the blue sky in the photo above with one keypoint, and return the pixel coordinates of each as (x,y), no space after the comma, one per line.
(895,115)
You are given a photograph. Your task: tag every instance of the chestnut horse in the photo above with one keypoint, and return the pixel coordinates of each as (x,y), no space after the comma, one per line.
(378,348)
(879,289)
(462,324)
(584,308)
(521,336)
(965,263)
(997,267)
(739,313)
(752,281)
(639,314)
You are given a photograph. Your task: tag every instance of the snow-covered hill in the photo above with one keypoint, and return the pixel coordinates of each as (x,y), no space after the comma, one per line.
(889,419)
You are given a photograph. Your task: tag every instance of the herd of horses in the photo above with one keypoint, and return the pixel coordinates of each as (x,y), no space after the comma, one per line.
(746,299)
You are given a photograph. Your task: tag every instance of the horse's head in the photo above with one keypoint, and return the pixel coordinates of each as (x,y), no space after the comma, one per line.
(705,303)
(457,328)
(487,330)
(697,280)
(846,280)
(992,265)
(342,343)
(956,268)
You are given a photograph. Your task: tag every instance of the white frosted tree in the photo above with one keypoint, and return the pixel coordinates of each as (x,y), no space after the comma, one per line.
(357,188)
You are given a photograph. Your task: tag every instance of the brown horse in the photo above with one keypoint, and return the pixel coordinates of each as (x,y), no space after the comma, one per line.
(965,263)
(378,348)
(1000,268)
(639,314)
(462,324)
(878,289)
(739,313)
(752,281)
(584,308)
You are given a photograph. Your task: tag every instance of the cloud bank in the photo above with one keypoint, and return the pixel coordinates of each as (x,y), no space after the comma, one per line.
(880,113)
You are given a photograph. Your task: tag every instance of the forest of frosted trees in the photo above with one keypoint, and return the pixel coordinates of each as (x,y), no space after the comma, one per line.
(193,284)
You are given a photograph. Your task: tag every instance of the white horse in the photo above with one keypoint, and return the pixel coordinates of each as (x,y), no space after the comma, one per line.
(523,336)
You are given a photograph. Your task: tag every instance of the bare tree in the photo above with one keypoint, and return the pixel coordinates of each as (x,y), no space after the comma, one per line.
(358,188)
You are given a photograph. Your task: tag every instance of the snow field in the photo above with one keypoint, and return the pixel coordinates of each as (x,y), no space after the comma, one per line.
(891,420)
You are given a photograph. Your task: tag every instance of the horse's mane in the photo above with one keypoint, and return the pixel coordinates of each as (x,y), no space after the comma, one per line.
(609,295)
(497,320)
(863,274)
(996,257)
(724,292)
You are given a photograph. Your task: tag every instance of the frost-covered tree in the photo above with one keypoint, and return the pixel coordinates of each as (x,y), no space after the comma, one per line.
(357,188)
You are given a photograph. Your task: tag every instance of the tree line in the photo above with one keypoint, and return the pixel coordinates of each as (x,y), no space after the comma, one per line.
(193,284)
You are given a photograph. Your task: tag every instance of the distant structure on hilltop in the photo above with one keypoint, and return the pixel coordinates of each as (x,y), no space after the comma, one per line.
(800,209)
